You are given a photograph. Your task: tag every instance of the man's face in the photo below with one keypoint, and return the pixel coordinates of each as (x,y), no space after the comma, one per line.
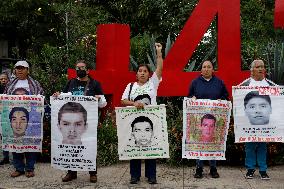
(207,130)
(21,72)
(207,70)
(142,133)
(72,126)
(258,71)
(3,79)
(258,111)
(19,123)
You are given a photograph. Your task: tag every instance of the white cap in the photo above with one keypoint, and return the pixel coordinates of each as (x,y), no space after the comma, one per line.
(22,63)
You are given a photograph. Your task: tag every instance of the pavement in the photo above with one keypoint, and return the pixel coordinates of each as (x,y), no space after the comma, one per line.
(117,177)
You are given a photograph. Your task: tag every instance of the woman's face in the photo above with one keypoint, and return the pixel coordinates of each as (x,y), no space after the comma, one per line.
(207,70)
(142,74)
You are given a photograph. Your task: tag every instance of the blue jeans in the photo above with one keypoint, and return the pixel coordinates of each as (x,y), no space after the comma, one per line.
(199,163)
(256,153)
(18,161)
(150,168)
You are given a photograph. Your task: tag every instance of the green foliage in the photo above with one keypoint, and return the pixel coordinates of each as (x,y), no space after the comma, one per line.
(107,142)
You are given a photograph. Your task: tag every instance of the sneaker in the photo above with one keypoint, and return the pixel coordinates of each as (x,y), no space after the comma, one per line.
(214,173)
(250,173)
(134,180)
(198,173)
(69,177)
(263,175)
(152,180)
(4,161)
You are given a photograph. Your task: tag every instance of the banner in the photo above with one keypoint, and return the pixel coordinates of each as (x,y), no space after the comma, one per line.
(205,128)
(74,121)
(21,122)
(258,114)
(142,133)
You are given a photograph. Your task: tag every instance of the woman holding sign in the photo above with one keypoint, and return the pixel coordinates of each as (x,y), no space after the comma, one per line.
(143,87)
(207,86)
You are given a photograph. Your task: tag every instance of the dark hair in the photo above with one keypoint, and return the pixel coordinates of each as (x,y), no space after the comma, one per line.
(72,107)
(140,97)
(208,116)
(20,89)
(141,119)
(18,109)
(255,94)
(144,65)
(83,61)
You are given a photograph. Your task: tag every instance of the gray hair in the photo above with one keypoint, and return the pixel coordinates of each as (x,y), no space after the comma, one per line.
(252,65)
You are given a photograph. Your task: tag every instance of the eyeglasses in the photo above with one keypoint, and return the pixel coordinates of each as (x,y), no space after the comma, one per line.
(81,68)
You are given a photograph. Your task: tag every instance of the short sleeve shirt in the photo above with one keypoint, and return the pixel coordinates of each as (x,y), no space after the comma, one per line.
(149,88)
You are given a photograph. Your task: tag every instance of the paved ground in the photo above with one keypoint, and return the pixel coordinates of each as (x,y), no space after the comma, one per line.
(117,177)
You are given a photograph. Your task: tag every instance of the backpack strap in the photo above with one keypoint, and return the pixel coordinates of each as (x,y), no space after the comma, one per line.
(131,85)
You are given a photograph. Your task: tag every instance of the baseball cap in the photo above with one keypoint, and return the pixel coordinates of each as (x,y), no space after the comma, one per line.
(21,63)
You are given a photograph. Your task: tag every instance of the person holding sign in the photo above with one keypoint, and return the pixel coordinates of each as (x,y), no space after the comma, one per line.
(207,86)
(33,87)
(82,85)
(258,110)
(133,95)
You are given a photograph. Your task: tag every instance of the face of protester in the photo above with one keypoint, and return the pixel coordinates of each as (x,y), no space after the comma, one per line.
(72,126)
(258,111)
(21,72)
(142,74)
(19,123)
(207,70)
(207,130)
(258,71)
(3,79)
(142,133)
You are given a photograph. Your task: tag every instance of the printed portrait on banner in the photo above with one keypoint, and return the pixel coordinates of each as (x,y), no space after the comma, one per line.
(21,122)
(205,128)
(258,114)
(74,121)
(142,133)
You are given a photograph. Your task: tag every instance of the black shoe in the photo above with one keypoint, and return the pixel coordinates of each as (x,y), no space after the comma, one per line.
(152,180)
(250,173)
(134,180)
(4,161)
(214,173)
(264,175)
(198,173)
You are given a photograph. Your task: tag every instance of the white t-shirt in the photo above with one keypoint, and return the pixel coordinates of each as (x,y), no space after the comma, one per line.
(262,83)
(148,89)
(24,85)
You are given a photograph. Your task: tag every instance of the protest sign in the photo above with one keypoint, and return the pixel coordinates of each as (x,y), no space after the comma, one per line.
(142,133)
(258,114)
(205,128)
(21,122)
(74,121)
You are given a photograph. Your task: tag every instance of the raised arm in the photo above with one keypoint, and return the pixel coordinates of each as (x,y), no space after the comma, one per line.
(159,68)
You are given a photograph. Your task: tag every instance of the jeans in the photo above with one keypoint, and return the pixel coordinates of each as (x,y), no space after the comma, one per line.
(150,168)
(199,163)
(18,161)
(5,155)
(256,153)
(90,172)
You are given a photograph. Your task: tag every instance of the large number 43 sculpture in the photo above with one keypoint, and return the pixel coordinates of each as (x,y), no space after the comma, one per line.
(113,48)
